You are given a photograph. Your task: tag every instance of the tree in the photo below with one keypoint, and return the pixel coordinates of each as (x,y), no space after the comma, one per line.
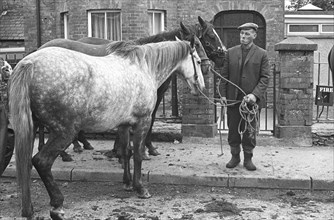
(326,5)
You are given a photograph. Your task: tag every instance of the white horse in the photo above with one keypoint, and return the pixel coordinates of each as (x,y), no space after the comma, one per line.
(68,91)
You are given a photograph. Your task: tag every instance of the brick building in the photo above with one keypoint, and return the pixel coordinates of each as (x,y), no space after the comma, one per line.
(11,32)
(77,16)
(129,19)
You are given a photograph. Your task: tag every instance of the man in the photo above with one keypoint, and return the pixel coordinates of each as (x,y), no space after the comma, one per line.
(247,66)
(6,134)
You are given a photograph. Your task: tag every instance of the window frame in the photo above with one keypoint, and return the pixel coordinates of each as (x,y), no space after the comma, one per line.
(65,20)
(303,33)
(326,32)
(319,32)
(162,21)
(89,14)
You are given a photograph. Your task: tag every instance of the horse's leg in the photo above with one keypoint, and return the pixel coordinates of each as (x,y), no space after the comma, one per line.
(82,138)
(43,162)
(139,134)
(65,156)
(124,142)
(117,151)
(148,140)
(40,137)
(76,146)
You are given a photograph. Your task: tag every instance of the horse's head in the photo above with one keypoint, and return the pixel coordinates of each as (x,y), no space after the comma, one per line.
(5,70)
(191,69)
(188,36)
(211,41)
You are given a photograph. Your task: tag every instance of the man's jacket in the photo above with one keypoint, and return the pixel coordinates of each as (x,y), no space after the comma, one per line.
(254,77)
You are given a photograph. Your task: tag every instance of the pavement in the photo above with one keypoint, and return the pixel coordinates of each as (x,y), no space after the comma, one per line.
(280,163)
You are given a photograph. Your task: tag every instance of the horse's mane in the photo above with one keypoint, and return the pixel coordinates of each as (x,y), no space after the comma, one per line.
(163,36)
(116,45)
(156,55)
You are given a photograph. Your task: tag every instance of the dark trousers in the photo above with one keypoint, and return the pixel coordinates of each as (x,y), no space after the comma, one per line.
(235,139)
(3,137)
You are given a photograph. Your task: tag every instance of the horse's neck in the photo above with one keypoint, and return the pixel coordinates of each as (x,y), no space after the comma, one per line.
(169,35)
(160,70)
(163,76)
(195,29)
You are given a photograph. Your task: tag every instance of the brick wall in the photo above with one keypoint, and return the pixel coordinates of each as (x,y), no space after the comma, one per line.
(196,110)
(295,99)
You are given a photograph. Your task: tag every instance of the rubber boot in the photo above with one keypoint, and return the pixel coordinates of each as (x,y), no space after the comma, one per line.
(234,161)
(248,164)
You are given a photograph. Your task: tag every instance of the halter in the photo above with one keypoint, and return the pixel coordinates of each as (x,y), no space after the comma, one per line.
(203,60)
(216,52)
(193,60)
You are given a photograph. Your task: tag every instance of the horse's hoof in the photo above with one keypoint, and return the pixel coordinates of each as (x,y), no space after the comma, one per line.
(153,152)
(57,214)
(77,149)
(145,157)
(127,187)
(88,147)
(144,194)
(66,158)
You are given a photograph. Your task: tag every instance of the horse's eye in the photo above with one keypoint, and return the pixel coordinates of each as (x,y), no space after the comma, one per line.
(199,62)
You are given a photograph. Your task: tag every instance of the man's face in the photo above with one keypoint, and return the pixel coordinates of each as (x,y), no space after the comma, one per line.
(247,36)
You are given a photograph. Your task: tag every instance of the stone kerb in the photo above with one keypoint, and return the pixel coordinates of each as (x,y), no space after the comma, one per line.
(295,95)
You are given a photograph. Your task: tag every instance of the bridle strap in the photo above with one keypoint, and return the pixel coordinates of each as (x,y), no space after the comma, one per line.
(215,52)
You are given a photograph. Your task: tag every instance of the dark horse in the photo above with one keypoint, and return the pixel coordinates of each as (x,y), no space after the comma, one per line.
(203,30)
(331,62)
(68,91)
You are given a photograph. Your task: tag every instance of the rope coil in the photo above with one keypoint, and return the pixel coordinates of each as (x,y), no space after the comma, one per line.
(249,112)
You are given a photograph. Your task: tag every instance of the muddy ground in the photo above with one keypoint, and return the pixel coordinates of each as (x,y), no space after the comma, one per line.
(107,200)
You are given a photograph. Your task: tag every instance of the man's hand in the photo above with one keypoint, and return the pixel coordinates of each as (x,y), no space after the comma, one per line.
(223,101)
(250,98)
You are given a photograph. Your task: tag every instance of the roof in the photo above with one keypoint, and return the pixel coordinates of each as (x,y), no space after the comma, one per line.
(11,25)
(310,7)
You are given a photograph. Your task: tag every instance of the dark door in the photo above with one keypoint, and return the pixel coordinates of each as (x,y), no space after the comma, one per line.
(227,22)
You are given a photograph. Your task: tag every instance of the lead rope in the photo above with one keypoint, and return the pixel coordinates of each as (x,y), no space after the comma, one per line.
(248,112)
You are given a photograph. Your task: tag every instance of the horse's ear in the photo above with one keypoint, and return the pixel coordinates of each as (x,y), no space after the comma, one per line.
(177,39)
(202,22)
(184,29)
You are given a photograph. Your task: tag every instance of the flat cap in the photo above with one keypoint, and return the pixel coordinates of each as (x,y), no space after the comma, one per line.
(248,26)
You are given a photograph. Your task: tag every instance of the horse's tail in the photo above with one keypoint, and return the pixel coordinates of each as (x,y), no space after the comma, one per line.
(22,122)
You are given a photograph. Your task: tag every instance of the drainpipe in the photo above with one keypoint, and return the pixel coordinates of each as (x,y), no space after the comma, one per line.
(38,23)
(39,43)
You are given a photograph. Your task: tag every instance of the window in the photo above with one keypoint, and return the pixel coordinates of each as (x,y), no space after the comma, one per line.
(328,28)
(303,28)
(156,21)
(310,29)
(65,19)
(105,24)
